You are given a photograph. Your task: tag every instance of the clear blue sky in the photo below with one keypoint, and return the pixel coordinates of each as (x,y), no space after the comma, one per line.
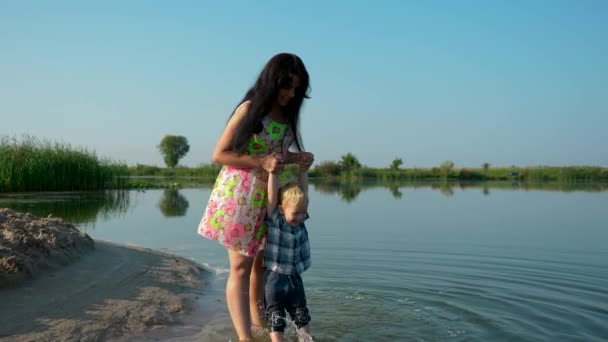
(505,82)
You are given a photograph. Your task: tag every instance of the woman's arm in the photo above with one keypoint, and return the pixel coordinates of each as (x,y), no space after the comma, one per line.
(303,158)
(223,153)
(292,157)
(273,192)
(303,180)
(304,166)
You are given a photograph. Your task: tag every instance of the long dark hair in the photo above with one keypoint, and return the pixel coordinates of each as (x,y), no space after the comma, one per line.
(276,75)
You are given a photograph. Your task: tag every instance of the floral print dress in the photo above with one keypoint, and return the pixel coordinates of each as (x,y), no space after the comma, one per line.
(237,207)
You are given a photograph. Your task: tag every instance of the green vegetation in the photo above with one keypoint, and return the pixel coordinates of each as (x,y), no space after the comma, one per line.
(173,148)
(32,165)
(154,177)
(29,164)
(209,171)
(349,163)
(349,168)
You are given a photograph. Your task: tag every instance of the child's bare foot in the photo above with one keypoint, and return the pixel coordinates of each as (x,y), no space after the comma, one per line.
(304,334)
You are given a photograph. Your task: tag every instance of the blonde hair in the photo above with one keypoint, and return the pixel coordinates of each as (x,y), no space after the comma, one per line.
(292,193)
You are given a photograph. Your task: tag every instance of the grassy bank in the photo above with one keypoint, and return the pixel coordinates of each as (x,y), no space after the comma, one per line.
(204,171)
(30,164)
(335,171)
(33,165)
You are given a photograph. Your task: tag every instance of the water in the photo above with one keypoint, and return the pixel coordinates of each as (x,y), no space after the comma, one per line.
(416,262)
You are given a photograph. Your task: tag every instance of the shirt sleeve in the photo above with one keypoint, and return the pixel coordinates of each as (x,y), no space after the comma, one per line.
(274,218)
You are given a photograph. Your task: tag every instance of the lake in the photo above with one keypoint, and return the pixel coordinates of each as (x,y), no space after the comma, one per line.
(414,262)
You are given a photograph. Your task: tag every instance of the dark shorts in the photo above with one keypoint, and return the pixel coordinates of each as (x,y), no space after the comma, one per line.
(284,292)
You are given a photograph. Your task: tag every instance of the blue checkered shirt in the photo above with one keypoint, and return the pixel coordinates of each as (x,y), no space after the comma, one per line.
(287,249)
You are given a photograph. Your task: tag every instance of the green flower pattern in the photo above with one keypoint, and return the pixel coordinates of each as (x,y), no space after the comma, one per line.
(259,195)
(214,222)
(262,231)
(257,146)
(230,186)
(275,130)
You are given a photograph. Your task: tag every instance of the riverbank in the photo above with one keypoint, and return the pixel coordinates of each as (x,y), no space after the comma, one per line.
(88,292)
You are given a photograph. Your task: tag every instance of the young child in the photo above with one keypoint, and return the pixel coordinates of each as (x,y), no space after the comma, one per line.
(287,255)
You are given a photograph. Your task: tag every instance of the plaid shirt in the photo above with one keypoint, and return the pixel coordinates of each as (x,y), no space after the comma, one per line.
(287,249)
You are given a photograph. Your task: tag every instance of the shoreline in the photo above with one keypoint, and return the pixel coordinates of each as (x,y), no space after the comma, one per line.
(114,292)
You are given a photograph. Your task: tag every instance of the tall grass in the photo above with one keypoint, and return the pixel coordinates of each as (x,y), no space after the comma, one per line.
(29,164)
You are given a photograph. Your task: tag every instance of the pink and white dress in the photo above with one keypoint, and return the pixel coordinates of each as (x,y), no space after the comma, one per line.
(237,207)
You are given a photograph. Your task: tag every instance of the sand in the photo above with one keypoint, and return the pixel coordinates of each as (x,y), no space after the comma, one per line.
(60,285)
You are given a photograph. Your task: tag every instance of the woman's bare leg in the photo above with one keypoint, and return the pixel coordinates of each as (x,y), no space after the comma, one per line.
(237,293)
(256,290)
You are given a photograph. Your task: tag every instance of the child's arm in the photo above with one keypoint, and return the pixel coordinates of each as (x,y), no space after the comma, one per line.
(273,192)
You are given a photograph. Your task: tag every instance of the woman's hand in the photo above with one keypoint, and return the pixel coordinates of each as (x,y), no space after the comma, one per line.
(272,163)
(305,160)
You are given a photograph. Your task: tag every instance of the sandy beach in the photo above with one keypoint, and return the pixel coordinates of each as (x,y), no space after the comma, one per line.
(97,293)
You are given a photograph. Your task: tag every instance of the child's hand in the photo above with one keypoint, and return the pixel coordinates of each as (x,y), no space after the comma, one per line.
(272,163)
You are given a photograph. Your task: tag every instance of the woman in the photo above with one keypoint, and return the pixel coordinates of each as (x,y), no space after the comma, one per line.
(255,141)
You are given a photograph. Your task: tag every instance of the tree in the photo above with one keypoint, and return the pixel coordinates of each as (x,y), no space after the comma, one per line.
(446,167)
(349,162)
(486,166)
(173,148)
(396,163)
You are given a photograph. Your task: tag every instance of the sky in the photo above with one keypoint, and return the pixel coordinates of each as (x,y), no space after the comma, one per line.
(504,82)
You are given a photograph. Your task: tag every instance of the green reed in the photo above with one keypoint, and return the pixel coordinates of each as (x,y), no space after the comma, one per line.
(30,164)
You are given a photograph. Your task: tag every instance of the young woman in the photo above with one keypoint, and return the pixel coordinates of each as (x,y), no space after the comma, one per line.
(255,142)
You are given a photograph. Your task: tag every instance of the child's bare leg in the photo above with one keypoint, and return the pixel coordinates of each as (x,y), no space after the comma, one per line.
(276,336)
(304,333)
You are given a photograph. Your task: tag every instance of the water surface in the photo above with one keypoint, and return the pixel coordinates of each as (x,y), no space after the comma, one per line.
(415,262)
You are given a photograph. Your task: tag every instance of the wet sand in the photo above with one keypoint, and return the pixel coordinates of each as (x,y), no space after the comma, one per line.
(98,293)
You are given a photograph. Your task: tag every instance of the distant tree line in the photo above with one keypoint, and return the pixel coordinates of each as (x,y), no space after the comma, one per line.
(350,168)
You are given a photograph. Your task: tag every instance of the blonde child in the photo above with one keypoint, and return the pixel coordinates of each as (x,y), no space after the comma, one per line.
(287,255)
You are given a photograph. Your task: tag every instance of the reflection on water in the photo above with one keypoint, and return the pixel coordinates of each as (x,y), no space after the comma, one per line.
(85,208)
(173,204)
(397,194)
(349,191)
(79,208)
(445,188)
